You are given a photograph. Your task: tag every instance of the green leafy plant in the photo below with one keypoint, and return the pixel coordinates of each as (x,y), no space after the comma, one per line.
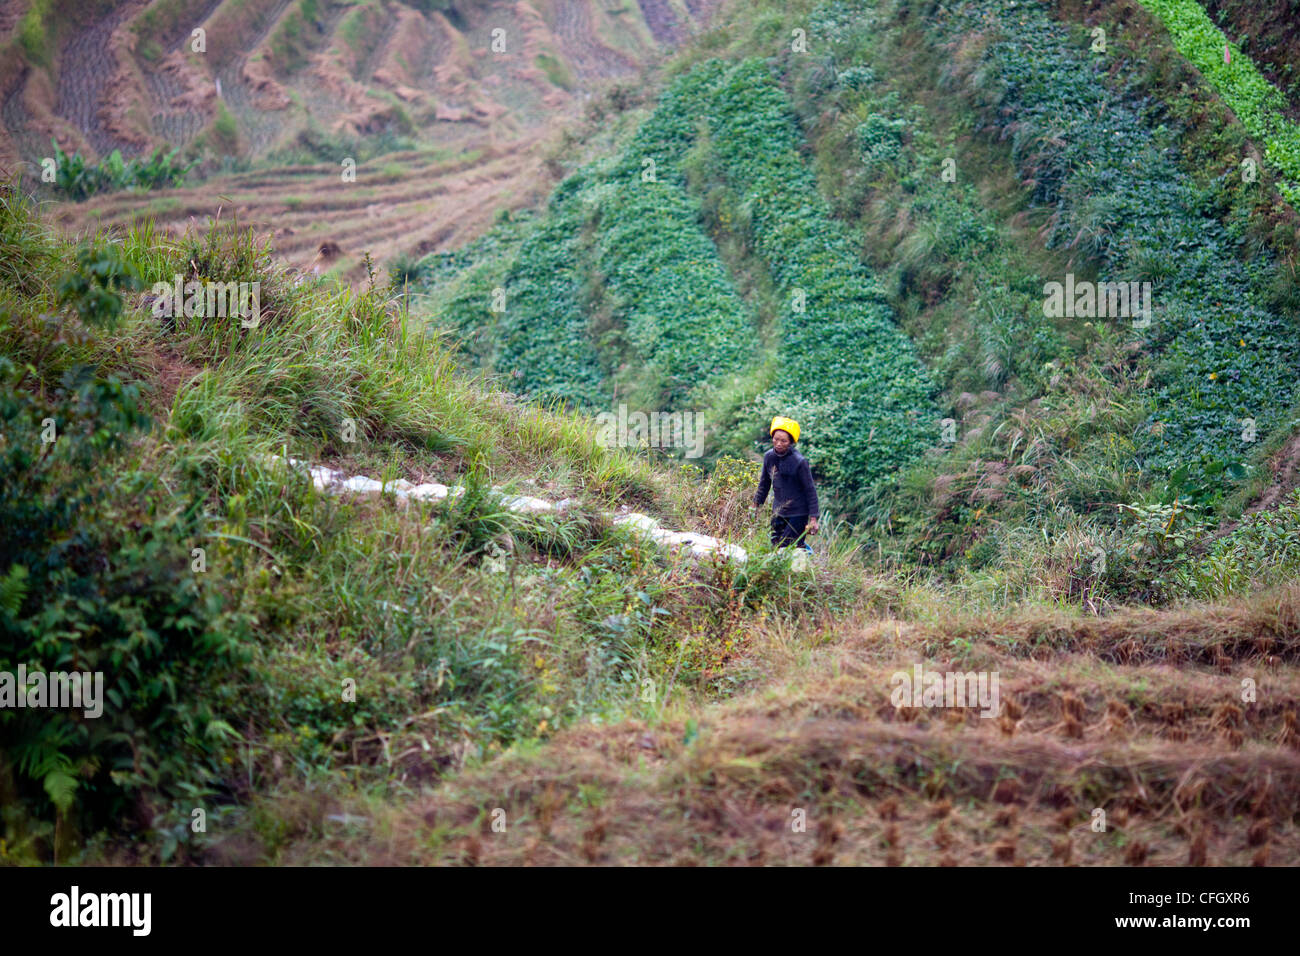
(96,578)
(1263,549)
(94,290)
(1221,357)
(80,180)
(1260,107)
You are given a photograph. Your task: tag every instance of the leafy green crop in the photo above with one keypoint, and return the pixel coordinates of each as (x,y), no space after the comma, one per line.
(685,323)
(542,333)
(1226,367)
(80,180)
(1256,102)
(847,373)
(629,227)
(846,370)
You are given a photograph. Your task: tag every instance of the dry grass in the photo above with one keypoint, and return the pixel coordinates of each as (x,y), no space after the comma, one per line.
(1263,629)
(816,767)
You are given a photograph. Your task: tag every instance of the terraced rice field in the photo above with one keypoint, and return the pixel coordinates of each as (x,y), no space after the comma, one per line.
(1121,741)
(417,199)
(307,79)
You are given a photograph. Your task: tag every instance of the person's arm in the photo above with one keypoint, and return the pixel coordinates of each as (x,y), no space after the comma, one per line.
(764,483)
(810,491)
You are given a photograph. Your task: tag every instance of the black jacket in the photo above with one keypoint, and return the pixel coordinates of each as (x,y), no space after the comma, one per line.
(791,481)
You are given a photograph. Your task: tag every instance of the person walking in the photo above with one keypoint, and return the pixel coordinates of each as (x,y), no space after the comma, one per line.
(787,474)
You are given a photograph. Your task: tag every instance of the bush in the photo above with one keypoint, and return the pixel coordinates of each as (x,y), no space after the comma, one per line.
(93,288)
(1263,550)
(96,578)
(80,180)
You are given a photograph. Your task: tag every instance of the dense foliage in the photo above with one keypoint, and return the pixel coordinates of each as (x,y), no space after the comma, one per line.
(542,331)
(1260,106)
(79,180)
(616,289)
(846,371)
(96,575)
(1227,364)
(683,321)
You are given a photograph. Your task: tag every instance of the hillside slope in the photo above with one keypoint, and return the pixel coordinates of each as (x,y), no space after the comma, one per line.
(969,175)
(1063,519)
(414,95)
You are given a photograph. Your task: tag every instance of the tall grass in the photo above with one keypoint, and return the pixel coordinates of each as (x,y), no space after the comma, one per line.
(463,627)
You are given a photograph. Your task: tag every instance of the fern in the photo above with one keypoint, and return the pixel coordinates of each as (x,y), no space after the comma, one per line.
(61,787)
(13,590)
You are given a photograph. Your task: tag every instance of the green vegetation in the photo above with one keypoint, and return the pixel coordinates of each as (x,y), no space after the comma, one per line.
(158,23)
(669,296)
(869,413)
(931,207)
(315,144)
(659,300)
(1223,356)
(556,71)
(858,236)
(618,278)
(227,675)
(1256,102)
(1038,476)
(164,644)
(295,35)
(78,180)
(544,346)
(1263,550)
(846,369)
(32,33)
(224,132)
(359,27)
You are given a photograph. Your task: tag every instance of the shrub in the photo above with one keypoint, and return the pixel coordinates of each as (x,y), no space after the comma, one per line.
(96,575)
(80,180)
(93,288)
(1263,550)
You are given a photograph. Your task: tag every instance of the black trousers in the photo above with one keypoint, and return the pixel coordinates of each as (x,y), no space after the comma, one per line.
(789,529)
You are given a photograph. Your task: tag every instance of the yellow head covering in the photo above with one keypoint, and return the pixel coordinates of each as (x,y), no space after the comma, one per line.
(786,425)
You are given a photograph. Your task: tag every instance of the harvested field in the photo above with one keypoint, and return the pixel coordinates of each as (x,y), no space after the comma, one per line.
(1182,770)
(355,72)
(402,201)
